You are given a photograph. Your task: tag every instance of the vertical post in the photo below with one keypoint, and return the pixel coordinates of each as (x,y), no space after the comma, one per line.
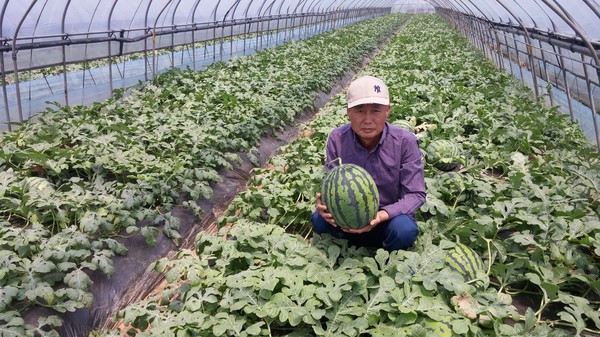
(592,103)
(64,52)
(3,72)
(567,85)
(550,95)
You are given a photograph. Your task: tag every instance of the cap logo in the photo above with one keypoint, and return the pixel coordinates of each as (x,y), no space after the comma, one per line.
(377,88)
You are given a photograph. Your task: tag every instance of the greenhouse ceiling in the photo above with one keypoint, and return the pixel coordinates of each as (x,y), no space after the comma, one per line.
(63,19)
(36,24)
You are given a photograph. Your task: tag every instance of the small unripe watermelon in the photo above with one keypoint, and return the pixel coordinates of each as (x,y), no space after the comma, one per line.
(405,124)
(351,196)
(443,154)
(464,260)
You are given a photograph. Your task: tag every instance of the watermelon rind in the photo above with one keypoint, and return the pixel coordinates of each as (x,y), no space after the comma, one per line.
(405,124)
(464,260)
(351,196)
(443,154)
(36,185)
(437,328)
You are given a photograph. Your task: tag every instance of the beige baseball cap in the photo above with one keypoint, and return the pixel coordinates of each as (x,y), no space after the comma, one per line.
(367,90)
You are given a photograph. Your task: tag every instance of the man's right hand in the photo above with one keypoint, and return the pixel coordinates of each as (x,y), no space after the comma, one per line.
(322,209)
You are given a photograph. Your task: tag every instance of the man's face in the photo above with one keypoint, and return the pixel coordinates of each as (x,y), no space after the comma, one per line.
(368,120)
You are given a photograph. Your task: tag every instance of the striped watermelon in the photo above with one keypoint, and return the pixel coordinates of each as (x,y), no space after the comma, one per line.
(437,328)
(405,124)
(443,154)
(464,260)
(37,184)
(351,196)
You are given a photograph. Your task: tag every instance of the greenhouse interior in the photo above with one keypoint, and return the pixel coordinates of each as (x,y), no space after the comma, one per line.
(247,168)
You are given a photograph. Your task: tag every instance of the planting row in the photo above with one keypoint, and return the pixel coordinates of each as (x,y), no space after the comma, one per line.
(79,177)
(522,192)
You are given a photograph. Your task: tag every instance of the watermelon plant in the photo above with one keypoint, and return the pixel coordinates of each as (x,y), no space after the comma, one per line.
(443,154)
(351,196)
(118,168)
(531,215)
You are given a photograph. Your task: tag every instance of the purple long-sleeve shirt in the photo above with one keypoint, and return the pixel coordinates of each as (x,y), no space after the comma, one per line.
(395,165)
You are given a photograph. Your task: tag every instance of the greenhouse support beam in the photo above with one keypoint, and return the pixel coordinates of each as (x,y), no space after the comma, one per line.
(561,60)
(573,45)
(64,54)
(3,70)
(14,59)
(592,104)
(113,38)
(529,47)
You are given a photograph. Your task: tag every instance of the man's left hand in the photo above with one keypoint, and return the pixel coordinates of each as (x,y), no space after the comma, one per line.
(381,216)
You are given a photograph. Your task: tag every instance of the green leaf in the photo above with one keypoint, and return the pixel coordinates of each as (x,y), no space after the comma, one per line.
(78,279)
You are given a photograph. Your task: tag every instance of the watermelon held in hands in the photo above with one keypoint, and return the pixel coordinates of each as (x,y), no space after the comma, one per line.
(351,196)
(443,154)
(465,261)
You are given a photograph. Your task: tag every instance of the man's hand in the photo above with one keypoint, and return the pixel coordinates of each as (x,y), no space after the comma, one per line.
(322,209)
(381,216)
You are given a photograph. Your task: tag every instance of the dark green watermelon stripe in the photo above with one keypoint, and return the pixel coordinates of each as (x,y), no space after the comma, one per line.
(471,258)
(368,188)
(357,181)
(465,260)
(338,215)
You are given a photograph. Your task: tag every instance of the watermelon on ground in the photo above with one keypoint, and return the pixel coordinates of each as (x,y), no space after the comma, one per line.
(443,154)
(351,196)
(437,328)
(406,124)
(465,261)
(36,185)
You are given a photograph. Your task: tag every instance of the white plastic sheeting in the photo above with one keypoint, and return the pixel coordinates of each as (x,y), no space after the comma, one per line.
(412,6)
(540,14)
(551,45)
(40,25)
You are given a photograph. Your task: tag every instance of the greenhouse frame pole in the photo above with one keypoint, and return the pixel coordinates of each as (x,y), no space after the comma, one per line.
(277,28)
(476,21)
(267,13)
(223,30)
(231,30)
(567,18)
(261,15)
(541,49)
(567,86)
(146,41)
(154,65)
(247,24)
(495,38)
(4,91)
(64,52)
(14,58)
(194,33)
(215,24)
(108,25)
(592,104)
(173,36)
(529,47)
